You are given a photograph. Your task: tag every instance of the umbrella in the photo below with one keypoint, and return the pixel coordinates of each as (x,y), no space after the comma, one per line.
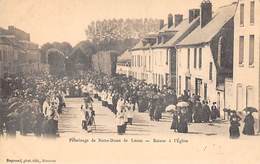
(250,109)
(12,100)
(13,115)
(226,110)
(170,108)
(182,104)
(14,105)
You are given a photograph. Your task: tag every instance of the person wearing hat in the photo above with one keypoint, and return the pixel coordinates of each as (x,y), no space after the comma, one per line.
(174,124)
(130,111)
(120,115)
(205,111)
(197,112)
(234,125)
(157,110)
(249,124)
(214,112)
(88,116)
(182,122)
(151,108)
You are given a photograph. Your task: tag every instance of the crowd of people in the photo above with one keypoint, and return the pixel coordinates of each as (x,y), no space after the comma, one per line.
(34,104)
(31,105)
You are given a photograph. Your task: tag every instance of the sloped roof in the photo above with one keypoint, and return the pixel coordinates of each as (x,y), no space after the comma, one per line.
(182,31)
(205,34)
(167,29)
(125,57)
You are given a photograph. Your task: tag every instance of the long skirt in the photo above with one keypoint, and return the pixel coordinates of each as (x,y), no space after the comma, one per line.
(11,128)
(95,96)
(124,127)
(120,129)
(182,128)
(174,125)
(234,131)
(104,103)
(249,130)
(130,121)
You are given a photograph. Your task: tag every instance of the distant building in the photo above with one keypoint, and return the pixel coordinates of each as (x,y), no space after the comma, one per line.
(244,89)
(18,55)
(123,65)
(8,57)
(105,62)
(154,57)
(205,57)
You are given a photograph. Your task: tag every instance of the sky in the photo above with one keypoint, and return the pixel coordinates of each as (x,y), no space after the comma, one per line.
(66,20)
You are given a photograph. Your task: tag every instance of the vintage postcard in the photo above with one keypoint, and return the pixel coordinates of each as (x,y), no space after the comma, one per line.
(129,81)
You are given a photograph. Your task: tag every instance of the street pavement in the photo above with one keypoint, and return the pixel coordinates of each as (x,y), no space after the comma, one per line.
(70,123)
(146,140)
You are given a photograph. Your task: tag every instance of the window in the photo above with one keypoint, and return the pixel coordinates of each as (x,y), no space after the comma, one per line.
(167,53)
(210,71)
(179,85)
(249,96)
(220,50)
(1,57)
(195,57)
(4,55)
(241,49)
(251,49)
(200,57)
(188,62)
(252,12)
(239,97)
(242,10)
(149,63)
(167,77)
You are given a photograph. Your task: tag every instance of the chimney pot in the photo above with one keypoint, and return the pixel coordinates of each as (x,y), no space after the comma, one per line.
(206,13)
(170,20)
(161,23)
(193,14)
(178,19)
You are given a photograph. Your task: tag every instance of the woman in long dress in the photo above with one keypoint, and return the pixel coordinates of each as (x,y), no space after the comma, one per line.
(249,124)
(234,125)
(174,125)
(183,123)
(120,121)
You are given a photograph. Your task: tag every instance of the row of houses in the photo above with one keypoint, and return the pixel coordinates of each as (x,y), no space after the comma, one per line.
(18,55)
(214,54)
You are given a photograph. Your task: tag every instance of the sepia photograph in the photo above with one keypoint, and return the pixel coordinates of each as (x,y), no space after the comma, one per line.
(130,81)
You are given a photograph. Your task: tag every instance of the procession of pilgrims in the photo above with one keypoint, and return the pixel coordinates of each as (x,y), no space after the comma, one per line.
(34,104)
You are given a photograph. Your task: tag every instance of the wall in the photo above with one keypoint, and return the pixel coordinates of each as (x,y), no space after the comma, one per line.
(9,59)
(201,73)
(241,71)
(246,78)
(150,65)
(105,62)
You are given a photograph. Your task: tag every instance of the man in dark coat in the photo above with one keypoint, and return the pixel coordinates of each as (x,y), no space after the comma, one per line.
(197,112)
(151,109)
(205,112)
(249,124)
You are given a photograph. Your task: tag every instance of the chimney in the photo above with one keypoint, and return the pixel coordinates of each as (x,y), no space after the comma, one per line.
(161,23)
(206,12)
(178,19)
(170,20)
(193,14)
